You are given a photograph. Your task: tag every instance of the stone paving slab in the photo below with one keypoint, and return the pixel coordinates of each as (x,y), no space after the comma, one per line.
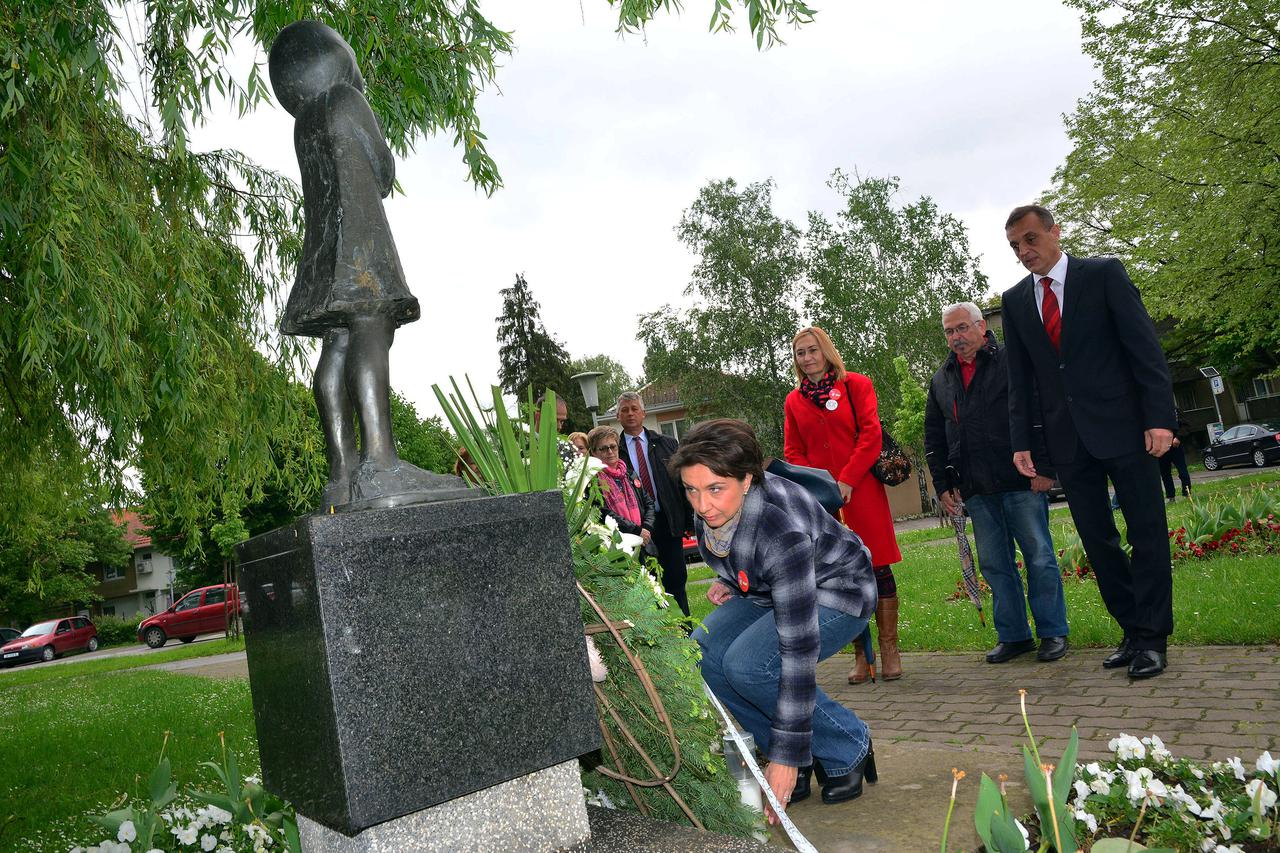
(1212,702)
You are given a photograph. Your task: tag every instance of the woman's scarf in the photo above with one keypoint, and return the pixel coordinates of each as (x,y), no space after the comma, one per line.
(819,391)
(718,539)
(619,497)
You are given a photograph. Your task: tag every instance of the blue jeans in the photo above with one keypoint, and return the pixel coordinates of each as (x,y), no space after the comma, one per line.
(742,664)
(998,520)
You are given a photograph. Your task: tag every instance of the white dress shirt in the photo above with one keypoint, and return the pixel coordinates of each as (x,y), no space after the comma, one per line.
(1059,276)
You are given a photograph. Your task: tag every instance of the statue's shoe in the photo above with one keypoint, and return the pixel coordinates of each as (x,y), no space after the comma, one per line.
(377,487)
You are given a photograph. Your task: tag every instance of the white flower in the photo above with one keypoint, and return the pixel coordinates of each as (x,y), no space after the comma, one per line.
(1266,764)
(1237,767)
(1207,845)
(1093,769)
(1082,789)
(1126,747)
(1234,848)
(127,832)
(187,834)
(212,815)
(1026,836)
(1177,795)
(155,850)
(1089,820)
(257,780)
(1158,752)
(1261,798)
(1197,772)
(207,843)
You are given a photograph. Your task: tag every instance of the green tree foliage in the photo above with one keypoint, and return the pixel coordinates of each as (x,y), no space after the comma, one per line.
(882,273)
(908,422)
(424,442)
(138,274)
(614,381)
(54,527)
(729,353)
(531,358)
(1176,165)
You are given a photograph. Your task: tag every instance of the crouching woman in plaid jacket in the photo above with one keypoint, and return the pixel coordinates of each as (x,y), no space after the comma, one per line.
(793,586)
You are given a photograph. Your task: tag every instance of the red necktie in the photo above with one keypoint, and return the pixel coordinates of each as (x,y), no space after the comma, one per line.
(642,466)
(1050,314)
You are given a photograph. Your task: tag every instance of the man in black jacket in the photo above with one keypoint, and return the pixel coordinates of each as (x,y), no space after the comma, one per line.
(1084,356)
(646,454)
(969,452)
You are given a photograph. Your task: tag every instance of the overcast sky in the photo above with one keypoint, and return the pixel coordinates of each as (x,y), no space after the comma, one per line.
(603,142)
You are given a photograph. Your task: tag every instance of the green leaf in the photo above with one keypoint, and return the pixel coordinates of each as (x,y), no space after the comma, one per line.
(989,805)
(1115,845)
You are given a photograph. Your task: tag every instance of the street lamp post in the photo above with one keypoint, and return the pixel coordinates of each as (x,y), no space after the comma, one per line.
(589,383)
(1216,387)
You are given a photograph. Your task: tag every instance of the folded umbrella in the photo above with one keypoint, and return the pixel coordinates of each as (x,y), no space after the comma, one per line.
(967,569)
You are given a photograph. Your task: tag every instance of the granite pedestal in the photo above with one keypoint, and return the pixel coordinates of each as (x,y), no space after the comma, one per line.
(403,658)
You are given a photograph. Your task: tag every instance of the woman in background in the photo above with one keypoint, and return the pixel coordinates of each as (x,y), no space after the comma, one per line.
(624,500)
(831,423)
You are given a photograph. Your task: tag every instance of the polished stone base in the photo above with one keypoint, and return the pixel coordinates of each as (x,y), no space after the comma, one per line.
(538,813)
(403,658)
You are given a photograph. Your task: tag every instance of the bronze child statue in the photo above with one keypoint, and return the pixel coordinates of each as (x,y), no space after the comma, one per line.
(350,289)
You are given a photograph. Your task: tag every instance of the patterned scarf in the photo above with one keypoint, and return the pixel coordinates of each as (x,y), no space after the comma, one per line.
(818,392)
(618,498)
(718,539)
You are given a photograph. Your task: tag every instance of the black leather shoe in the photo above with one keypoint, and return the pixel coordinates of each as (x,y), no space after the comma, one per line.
(1123,654)
(1008,651)
(1052,648)
(802,789)
(1147,663)
(838,789)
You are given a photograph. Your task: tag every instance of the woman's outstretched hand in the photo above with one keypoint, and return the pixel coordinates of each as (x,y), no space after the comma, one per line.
(845,491)
(782,779)
(719,593)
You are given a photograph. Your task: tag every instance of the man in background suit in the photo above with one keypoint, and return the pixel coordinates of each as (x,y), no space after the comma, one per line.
(646,454)
(1077,333)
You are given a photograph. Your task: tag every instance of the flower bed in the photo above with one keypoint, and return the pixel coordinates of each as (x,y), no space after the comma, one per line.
(1246,526)
(1143,796)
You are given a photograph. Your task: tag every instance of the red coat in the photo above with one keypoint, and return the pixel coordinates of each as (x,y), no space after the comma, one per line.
(824,439)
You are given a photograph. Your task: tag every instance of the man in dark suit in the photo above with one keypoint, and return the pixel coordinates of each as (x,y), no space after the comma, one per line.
(646,454)
(1077,333)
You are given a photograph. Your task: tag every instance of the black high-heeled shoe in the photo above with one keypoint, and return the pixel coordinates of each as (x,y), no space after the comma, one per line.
(838,789)
(802,789)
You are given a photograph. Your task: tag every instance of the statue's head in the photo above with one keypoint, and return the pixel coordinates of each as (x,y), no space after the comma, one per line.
(307,59)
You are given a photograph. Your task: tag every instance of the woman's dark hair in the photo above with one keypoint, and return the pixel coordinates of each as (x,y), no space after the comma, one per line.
(724,445)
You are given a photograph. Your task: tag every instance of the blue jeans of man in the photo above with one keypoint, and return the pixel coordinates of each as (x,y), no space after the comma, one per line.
(742,664)
(999,520)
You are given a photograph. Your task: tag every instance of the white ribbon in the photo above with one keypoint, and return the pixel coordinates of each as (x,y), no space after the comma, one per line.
(801,843)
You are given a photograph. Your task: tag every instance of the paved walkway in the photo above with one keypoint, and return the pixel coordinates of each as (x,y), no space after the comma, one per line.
(956,710)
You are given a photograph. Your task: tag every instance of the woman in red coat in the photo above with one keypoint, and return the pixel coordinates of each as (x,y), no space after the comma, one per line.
(831,423)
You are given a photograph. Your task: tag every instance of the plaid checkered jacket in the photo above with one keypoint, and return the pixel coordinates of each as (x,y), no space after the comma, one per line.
(793,557)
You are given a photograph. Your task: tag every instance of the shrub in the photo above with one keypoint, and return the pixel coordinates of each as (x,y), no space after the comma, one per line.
(118,630)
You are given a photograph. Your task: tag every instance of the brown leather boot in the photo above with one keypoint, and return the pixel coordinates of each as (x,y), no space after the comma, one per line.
(861,673)
(887,628)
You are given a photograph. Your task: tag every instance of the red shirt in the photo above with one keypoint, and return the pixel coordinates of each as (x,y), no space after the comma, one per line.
(967,370)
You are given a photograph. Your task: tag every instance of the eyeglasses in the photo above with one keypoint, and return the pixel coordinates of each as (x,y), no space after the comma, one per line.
(606,448)
(952,331)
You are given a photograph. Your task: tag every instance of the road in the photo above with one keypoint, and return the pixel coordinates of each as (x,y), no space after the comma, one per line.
(121,651)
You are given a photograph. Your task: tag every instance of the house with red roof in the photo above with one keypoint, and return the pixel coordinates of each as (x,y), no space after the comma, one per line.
(142,586)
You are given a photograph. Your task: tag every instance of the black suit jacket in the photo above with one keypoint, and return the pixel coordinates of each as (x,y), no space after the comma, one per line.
(671,500)
(1109,384)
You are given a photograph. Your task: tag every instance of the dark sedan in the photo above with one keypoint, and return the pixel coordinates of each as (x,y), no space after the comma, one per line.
(1245,444)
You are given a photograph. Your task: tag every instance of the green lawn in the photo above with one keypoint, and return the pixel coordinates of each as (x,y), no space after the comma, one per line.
(1225,600)
(70,744)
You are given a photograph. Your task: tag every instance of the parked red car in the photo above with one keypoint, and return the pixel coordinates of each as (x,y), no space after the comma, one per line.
(48,640)
(201,611)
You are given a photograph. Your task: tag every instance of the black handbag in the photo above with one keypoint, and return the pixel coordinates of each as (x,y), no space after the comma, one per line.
(893,467)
